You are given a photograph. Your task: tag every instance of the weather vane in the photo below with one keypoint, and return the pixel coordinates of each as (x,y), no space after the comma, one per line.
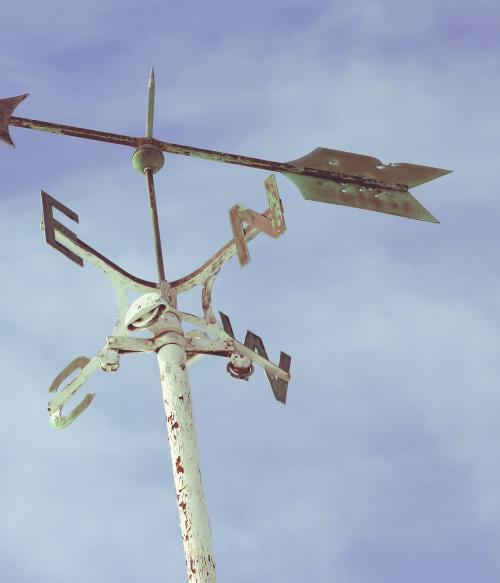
(324,175)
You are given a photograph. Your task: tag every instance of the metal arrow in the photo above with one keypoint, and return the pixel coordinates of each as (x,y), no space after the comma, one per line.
(323,175)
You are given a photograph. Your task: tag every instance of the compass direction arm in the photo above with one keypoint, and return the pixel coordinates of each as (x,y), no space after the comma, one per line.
(270,221)
(211,267)
(253,349)
(67,242)
(337,177)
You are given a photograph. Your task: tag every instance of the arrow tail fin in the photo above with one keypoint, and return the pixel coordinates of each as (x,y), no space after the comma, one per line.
(394,202)
(7,106)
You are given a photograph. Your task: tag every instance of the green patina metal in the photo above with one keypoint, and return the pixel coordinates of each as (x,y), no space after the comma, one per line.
(275,205)
(393,202)
(151,105)
(271,222)
(43,128)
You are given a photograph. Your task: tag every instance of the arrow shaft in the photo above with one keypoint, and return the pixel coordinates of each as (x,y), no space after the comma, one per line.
(282,167)
(56,128)
(214,155)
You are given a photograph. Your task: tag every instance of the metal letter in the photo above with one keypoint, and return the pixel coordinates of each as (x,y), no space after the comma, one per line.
(58,421)
(272,225)
(279,386)
(50,225)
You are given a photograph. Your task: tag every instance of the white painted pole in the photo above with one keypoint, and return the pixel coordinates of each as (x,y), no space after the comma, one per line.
(193,516)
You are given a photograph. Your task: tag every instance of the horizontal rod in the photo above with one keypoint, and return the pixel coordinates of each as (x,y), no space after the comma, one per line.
(214,155)
(56,128)
(282,167)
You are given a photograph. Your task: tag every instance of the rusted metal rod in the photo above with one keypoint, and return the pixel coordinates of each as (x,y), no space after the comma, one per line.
(155,223)
(214,155)
(76,132)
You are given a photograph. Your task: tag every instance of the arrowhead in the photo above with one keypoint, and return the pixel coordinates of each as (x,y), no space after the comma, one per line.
(7,106)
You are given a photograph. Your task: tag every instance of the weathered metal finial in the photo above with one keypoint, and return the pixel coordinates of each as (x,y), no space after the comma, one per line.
(149,157)
(151,104)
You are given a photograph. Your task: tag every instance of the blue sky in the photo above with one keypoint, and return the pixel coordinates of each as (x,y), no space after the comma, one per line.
(383,466)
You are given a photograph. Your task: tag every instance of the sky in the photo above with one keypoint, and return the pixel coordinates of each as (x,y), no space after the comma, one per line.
(383,466)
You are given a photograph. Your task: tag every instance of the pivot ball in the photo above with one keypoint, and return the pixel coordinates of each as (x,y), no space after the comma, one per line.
(147,157)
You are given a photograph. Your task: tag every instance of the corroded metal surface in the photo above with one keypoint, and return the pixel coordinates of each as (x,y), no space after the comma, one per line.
(155,224)
(379,187)
(272,223)
(87,367)
(7,106)
(51,224)
(253,343)
(68,243)
(147,157)
(151,104)
(194,522)
(207,270)
(256,356)
(389,201)
(345,164)
(76,132)
(324,175)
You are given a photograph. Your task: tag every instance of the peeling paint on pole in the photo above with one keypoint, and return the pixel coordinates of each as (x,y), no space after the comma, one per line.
(193,516)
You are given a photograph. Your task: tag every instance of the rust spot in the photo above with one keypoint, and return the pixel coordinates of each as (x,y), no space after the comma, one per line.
(183,505)
(183,367)
(181,398)
(178,466)
(173,424)
(191,566)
